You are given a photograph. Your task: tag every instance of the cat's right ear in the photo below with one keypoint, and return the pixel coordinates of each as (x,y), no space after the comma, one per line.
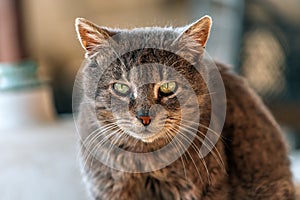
(199,31)
(90,35)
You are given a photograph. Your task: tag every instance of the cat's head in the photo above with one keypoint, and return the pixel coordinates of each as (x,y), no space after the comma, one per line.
(143,81)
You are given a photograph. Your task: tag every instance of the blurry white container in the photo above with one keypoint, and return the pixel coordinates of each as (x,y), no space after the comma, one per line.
(26,107)
(24,100)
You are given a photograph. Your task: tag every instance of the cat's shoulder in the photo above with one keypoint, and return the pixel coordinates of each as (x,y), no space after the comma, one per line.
(240,96)
(231,80)
(227,71)
(238,91)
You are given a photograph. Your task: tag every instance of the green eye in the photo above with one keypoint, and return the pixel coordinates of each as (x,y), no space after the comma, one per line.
(121,88)
(168,87)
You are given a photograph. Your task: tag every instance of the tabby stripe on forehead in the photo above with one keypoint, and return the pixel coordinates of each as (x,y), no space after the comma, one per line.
(160,73)
(127,76)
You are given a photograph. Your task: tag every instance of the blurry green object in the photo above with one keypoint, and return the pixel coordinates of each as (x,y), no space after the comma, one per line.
(18,75)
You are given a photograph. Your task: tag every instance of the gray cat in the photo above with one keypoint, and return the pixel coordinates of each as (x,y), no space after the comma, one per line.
(153,125)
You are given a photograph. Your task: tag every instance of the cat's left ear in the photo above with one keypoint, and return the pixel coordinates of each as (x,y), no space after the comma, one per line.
(91,35)
(199,30)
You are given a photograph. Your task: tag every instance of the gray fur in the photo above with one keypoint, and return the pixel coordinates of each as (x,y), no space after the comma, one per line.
(249,161)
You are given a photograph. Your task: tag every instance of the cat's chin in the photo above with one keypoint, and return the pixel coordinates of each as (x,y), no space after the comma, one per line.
(149,139)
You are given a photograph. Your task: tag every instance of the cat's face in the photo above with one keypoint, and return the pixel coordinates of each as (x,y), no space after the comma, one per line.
(146,93)
(147,100)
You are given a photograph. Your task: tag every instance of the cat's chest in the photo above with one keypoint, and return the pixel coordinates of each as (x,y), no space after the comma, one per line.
(183,179)
(167,184)
(171,186)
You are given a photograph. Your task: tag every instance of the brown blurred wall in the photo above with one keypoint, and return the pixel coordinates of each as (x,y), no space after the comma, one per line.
(50,36)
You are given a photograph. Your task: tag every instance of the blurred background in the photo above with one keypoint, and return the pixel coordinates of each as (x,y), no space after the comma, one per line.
(40,55)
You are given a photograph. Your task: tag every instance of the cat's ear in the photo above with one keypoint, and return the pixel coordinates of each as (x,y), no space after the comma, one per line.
(90,35)
(199,30)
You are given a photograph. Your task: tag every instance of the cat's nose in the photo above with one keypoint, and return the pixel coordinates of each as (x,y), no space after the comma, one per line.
(144,117)
(145,120)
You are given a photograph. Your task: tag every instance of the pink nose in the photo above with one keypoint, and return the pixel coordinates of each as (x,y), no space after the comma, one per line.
(145,120)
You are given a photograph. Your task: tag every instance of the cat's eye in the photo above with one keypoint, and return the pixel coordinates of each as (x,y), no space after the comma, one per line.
(121,88)
(168,88)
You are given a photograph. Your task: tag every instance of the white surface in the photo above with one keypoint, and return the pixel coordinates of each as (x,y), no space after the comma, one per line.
(295,160)
(25,107)
(40,163)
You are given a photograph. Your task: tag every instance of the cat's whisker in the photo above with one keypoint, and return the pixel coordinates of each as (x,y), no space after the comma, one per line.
(85,140)
(180,143)
(211,148)
(89,153)
(96,130)
(217,156)
(195,148)
(192,159)
(105,139)
(207,138)
(95,135)
(101,143)
(169,139)
(203,126)
(100,131)
(89,141)
(126,136)
(186,128)
(113,142)
(197,151)
(136,141)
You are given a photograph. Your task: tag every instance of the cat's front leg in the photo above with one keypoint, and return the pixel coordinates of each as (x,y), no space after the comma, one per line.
(111,184)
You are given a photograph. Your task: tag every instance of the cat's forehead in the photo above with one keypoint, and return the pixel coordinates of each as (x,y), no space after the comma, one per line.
(144,55)
(155,32)
(146,37)
(147,65)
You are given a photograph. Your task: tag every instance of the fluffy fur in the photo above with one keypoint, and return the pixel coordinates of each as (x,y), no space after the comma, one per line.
(249,161)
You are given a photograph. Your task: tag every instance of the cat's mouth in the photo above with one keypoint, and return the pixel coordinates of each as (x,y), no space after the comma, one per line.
(147,136)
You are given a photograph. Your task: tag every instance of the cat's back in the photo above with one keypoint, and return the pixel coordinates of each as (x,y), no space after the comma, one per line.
(243,103)
(253,136)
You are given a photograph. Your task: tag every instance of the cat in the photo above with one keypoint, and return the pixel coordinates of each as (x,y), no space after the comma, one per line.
(145,89)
